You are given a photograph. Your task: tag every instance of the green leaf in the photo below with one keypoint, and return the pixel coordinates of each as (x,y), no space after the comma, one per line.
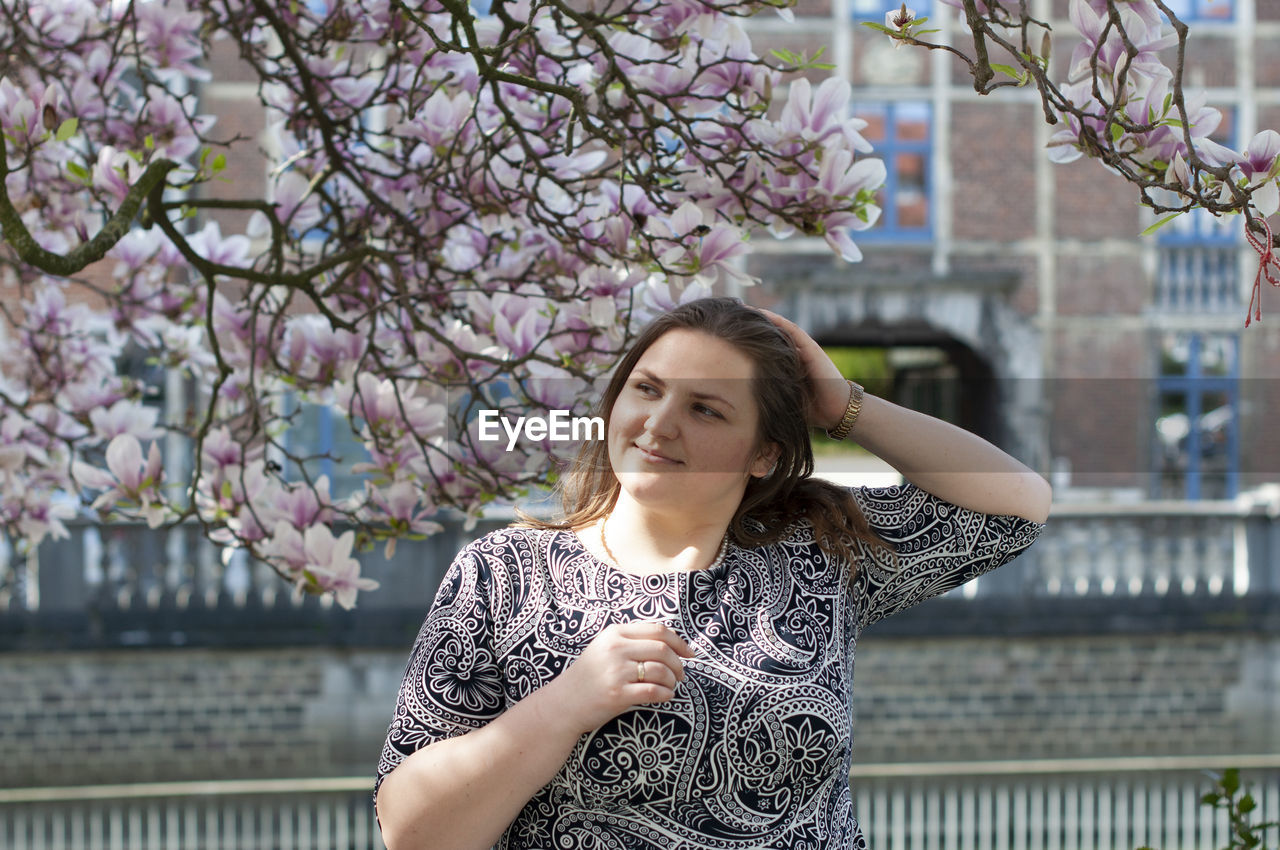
(1247,804)
(1230,780)
(67,129)
(79,171)
(880,28)
(1116,133)
(219,162)
(1007,69)
(149,142)
(1152,229)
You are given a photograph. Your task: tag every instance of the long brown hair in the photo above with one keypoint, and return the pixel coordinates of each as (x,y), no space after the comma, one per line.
(770,505)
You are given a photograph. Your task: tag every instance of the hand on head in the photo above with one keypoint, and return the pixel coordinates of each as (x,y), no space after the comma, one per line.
(831,391)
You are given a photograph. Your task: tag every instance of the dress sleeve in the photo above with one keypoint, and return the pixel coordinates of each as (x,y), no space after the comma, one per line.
(453,682)
(939,547)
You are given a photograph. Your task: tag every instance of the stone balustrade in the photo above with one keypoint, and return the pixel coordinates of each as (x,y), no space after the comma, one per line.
(125,584)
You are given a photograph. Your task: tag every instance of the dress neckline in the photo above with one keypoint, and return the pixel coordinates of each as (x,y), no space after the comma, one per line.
(729,549)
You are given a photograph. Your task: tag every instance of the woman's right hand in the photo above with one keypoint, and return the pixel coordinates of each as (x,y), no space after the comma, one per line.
(604,681)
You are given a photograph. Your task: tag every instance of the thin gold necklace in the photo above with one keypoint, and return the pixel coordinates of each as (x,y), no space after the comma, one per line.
(613,559)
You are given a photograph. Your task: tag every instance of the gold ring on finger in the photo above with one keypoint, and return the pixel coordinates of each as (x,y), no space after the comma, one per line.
(640,671)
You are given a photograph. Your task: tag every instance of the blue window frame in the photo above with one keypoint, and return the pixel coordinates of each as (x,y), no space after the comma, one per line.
(902,133)
(1197,417)
(1197,227)
(875,10)
(1203,10)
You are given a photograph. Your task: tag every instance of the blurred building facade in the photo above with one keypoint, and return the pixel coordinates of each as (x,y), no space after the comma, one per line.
(1017,296)
(1006,293)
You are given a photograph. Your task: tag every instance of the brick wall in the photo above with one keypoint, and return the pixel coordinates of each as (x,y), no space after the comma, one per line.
(1260,399)
(994,170)
(920,700)
(150,715)
(154,715)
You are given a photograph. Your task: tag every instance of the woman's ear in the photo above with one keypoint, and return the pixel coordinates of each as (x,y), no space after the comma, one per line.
(762,466)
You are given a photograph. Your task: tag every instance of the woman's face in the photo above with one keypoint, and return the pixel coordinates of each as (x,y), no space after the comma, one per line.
(684,430)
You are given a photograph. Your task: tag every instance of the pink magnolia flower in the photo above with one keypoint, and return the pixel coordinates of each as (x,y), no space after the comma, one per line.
(440,120)
(171,37)
(404,508)
(1259,166)
(126,417)
(319,561)
(1144,33)
(301,505)
(173,132)
(900,20)
(296,206)
(136,484)
(387,407)
(816,116)
(114,172)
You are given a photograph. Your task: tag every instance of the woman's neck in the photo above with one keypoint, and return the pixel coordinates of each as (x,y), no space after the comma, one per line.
(639,540)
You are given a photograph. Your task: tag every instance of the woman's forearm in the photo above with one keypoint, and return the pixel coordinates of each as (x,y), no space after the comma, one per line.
(949,462)
(463,792)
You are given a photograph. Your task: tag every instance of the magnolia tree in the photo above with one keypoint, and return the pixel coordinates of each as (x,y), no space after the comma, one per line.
(463,213)
(1122,104)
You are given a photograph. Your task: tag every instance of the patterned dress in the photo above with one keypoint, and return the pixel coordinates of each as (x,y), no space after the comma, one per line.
(754,751)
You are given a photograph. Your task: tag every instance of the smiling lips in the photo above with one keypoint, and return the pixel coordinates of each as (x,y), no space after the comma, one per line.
(655,457)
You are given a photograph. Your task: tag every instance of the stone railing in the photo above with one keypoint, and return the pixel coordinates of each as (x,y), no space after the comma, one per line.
(1149,549)
(123,584)
(1198,279)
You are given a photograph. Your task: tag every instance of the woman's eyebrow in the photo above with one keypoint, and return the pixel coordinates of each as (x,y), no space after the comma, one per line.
(700,396)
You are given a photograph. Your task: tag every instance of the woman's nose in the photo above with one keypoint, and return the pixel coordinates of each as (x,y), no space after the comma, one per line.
(662,419)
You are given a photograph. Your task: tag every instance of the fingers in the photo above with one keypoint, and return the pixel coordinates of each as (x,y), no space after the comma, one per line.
(653,653)
(656,631)
(660,677)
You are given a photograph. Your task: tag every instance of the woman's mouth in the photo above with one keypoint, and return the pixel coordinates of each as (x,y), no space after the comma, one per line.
(655,457)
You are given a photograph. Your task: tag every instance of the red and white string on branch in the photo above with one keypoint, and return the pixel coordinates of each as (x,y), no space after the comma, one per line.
(1267,262)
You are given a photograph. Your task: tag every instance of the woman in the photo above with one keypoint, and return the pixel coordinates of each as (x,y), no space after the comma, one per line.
(671,665)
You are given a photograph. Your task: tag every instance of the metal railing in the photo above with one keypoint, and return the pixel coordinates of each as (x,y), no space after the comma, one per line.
(1080,804)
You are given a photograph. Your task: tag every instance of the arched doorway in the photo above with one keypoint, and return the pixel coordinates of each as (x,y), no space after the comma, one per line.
(922,369)
(955,346)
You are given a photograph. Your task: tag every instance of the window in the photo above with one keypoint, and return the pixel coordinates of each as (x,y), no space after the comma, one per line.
(323,440)
(875,10)
(1197,417)
(1198,254)
(1198,227)
(902,135)
(1202,10)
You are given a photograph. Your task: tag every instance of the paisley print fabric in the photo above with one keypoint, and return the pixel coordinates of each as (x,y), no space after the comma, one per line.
(755,749)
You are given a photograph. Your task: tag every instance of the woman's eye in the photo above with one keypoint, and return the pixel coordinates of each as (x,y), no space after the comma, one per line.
(646,389)
(706,411)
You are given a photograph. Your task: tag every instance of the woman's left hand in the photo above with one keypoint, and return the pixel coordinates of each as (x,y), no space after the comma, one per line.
(831,390)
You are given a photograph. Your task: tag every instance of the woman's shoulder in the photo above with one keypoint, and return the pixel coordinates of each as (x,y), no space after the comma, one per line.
(508,542)
(798,531)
